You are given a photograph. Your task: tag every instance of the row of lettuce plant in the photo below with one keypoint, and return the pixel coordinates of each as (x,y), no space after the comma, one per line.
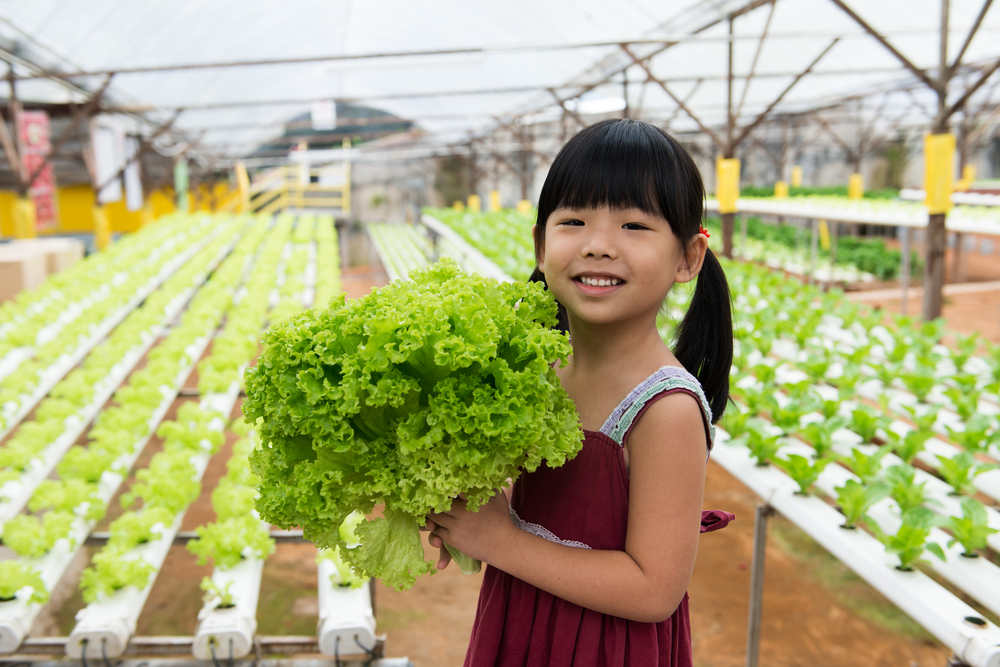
(328,282)
(878,442)
(238,535)
(30,311)
(90,474)
(62,416)
(401,248)
(31,374)
(503,236)
(171,482)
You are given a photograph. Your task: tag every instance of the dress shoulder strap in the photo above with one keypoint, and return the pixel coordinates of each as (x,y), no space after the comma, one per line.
(665,380)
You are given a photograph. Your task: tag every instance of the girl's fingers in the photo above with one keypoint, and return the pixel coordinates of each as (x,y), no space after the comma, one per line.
(434,540)
(428,525)
(444,559)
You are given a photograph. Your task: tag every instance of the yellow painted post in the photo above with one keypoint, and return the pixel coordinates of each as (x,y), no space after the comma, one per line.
(855,187)
(824,235)
(727,191)
(495,200)
(939,165)
(796,176)
(727,188)
(243,185)
(459,205)
(102,228)
(524,207)
(475,203)
(781,190)
(24,218)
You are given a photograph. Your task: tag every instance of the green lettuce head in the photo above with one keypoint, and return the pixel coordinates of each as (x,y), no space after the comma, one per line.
(406,397)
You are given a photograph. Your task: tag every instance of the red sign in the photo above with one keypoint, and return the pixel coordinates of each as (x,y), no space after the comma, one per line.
(33,136)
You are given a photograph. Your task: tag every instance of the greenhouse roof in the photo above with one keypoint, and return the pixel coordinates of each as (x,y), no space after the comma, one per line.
(457,68)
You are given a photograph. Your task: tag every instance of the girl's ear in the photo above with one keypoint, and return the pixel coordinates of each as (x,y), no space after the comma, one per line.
(691,263)
(539,252)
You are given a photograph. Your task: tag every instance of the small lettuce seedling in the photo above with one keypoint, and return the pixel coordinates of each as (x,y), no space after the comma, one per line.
(967,382)
(933,330)
(830,409)
(966,402)
(736,423)
(788,418)
(866,466)
(920,382)
(762,447)
(766,374)
(855,499)
(960,470)
(887,372)
(910,541)
(820,434)
(817,365)
(908,446)
(971,529)
(965,347)
(859,355)
(924,420)
(974,437)
(15,575)
(899,350)
(803,471)
(219,598)
(905,491)
(847,383)
(755,400)
(866,423)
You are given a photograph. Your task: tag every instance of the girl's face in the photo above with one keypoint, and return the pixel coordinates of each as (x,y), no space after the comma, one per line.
(607,266)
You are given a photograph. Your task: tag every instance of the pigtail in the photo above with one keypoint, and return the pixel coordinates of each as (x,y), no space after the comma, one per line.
(704,343)
(562,319)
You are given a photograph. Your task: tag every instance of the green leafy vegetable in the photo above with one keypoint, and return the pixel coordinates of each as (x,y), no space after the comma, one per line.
(409,396)
(854,499)
(31,536)
(804,471)
(219,598)
(959,471)
(971,530)
(910,541)
(111,570)
(15,576)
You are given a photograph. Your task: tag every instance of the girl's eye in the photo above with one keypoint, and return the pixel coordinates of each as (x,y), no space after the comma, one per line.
(634,226)
(572,223)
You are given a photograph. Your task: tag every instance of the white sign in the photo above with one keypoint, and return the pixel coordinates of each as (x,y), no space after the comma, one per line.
(133,182)
(108,141)
(324,115)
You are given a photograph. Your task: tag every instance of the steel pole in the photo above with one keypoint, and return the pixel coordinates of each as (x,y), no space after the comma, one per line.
(757,582)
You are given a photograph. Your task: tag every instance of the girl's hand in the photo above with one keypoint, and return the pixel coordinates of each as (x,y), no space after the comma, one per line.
(476,534)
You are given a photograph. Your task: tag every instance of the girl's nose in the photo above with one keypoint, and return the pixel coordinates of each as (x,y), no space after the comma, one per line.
(599,244)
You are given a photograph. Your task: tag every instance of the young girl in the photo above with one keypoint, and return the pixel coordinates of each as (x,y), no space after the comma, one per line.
(588,563)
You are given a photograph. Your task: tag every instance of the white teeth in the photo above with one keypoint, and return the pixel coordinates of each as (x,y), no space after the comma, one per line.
(599,282)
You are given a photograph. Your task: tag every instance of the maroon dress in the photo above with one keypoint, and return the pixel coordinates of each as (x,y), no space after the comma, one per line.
(583,504)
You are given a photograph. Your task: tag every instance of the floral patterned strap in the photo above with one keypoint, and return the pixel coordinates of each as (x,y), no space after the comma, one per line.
(663,380)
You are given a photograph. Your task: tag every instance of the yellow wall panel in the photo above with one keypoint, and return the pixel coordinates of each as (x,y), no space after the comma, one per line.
(7,200)
(75,204)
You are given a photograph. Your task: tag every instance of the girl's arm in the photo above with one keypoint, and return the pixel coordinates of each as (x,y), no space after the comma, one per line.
(647,581)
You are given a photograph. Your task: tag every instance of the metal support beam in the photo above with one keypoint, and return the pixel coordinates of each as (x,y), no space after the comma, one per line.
(919,73)
(680,103)
(757,583)
(757,121)
(968,39)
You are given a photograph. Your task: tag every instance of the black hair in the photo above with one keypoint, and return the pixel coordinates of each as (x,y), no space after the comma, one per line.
(625,163)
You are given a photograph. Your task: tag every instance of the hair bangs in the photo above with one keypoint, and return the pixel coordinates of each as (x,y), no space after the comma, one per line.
(620,172)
